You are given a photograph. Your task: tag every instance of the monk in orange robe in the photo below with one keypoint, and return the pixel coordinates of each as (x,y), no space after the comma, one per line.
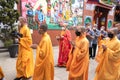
(101,41)
(25,63)
(64,46)
(78,61)
(44,66)
(1,74)
(109,66)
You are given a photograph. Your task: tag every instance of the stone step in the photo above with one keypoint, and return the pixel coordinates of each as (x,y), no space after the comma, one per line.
(3,49)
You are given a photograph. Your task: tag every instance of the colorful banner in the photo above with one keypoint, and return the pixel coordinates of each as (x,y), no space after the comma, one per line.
(55,11)
(24,2)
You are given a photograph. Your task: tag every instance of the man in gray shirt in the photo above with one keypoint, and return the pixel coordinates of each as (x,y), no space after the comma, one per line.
(95,40)
(103,33)
(90,37)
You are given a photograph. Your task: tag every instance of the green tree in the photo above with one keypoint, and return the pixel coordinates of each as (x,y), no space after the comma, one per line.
(8,16)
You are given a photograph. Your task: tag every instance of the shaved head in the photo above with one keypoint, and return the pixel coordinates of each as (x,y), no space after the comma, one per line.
(81,29)
(23,19)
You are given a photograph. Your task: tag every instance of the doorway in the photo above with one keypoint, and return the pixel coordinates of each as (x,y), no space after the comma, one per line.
(117,14)
(100,16)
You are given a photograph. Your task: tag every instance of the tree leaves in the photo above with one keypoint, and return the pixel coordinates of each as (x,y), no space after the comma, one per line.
(7,13)
(8,16)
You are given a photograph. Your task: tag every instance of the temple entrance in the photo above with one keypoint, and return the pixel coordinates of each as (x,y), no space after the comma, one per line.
(117,14)
(100,16)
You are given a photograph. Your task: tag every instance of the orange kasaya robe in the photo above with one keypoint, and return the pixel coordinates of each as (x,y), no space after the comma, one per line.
(1,73)
(78,62)
(64,47)
(25,63)
(100,49)
(44,66)
(109,66)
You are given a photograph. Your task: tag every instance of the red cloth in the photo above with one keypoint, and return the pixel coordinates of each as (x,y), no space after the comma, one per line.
(64,47)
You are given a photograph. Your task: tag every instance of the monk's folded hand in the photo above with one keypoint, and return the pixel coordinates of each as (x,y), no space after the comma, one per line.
(34,46)
(104,47)
(61,36)
(41,54)
(57,37)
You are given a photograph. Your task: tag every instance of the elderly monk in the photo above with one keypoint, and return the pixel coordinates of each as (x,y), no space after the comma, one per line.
(64,45)
(109,66)
(44,66)
(1,74)
(78,62)
(24,64)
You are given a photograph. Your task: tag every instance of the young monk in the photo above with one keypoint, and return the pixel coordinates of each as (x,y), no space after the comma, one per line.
(64,46)
(44,66)
(78,62)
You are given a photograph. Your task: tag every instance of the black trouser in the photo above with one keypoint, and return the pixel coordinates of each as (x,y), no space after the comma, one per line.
(94,46)
(90,52)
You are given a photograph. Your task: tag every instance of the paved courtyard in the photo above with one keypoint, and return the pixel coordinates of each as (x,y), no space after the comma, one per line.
(8,65)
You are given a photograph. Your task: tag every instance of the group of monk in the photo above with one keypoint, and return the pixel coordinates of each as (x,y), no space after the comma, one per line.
(74,55)
(44,64)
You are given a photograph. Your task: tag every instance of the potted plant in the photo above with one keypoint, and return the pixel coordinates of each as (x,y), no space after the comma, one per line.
(12,48)
(10,41)
(8,17)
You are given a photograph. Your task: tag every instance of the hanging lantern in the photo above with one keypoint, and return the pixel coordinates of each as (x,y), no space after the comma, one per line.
(102,23)
(101,13)
(118,11)
(95,12)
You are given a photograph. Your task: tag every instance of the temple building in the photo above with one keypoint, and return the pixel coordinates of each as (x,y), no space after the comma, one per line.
(100,12)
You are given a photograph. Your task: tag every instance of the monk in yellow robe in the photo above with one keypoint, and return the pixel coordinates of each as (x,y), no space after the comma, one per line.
(101,41)
(78,61)
(1,74)
(25,63)
(109,66)
(44,66)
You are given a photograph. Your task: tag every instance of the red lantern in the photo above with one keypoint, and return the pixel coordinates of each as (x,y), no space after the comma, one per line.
(101,13)
(95,12)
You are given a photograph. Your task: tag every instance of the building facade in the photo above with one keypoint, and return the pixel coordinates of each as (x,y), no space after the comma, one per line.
(92,11)
(98,12)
